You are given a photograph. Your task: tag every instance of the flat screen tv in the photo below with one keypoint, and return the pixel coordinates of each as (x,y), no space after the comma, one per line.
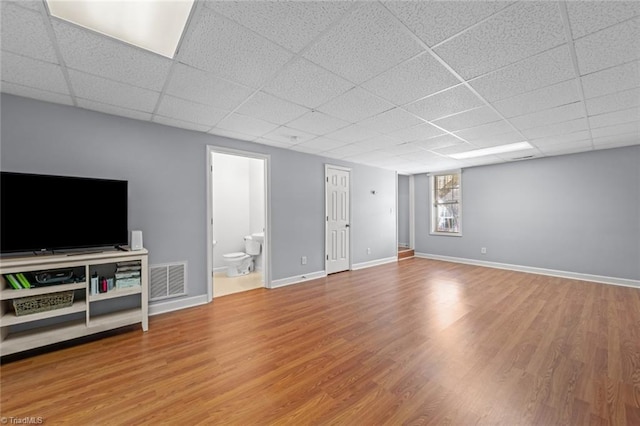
(48,213)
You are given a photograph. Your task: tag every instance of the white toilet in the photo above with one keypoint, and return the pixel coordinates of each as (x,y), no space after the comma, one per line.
(240,263)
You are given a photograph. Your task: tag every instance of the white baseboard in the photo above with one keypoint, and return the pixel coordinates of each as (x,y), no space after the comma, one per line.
(175,305)
(542,271)
(220,269)
(297,279)
(371,263)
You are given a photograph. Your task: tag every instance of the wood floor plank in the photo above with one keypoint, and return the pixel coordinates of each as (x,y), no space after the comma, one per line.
(414,342)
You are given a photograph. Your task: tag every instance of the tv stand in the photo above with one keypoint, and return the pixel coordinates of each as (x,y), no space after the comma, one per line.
(90,313)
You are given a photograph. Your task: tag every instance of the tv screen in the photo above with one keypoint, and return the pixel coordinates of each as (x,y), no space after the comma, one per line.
(44,212)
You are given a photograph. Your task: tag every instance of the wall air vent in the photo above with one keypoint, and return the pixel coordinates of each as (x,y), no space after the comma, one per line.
(168,280)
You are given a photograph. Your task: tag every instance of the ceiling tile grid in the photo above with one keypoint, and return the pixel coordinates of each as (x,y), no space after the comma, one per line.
(305,20)
(23,32)
(394,84)
(411,80)
(223,47)
(93,53)
(364,44)
(111,92)
(519,32)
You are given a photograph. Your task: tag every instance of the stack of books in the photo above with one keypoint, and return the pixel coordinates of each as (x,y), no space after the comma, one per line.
(127,274)
(18,281)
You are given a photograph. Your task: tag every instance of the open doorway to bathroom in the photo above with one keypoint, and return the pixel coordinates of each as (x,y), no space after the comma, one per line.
(237,221)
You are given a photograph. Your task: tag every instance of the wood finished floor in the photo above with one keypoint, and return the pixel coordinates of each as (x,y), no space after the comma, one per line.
(414,342)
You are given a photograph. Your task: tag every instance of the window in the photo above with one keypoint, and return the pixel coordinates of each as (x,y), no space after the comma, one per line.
(446,203)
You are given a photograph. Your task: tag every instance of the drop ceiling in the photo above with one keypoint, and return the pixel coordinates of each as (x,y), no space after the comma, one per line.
(398,85)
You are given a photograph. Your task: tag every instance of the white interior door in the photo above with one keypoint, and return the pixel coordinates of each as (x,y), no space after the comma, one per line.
(337,216)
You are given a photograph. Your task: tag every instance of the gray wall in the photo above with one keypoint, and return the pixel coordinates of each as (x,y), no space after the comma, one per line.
(403,210)
(577,213)
(166,167)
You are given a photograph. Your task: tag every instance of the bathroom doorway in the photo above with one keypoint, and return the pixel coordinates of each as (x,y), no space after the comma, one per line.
(237,221)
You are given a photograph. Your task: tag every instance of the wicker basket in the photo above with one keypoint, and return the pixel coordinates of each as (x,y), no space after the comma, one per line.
(42,302)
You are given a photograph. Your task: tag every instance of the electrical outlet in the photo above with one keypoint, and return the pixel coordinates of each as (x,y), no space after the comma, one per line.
(483,250)
(303,260)
(368,251)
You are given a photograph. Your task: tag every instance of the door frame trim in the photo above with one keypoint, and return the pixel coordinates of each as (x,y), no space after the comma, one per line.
(328,166)
(266,249)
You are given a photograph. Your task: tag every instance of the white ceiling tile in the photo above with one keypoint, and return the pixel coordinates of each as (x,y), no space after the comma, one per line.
(95,54)
(614,101)
(411,80)
(205,88)
(438,142)
(532,73)
(616,117)
(320,144)
(521,31)
(451,101)
(549,116)
(370,157)
(353,133)
(289,136)
(346,151)
(617,129)
(499,139)
(278,144)
(455,149)
(113,110)
(305,83)
(561,139)
(590,16)
(23,31)
(609,47)
(179,123)
(225,48)
(32,73)
(29,4)
(231,134)
(556,129)
(317,123)
(246,124)
(110,92)
(606,142)
(435,21)
(405,148)
(485,130)
(363,44)
(539,99)
(391,121)
(419,132)
(355,105)
(379,142)
(28,92)
(304,20)
(471,118)
(612,80)
(192,112)
(566,148)
(269,108)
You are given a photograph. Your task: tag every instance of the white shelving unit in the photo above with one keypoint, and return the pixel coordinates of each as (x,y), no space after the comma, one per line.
(37,329)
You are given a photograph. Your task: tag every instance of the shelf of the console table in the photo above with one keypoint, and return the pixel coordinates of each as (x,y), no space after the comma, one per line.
(7,294)
(29,339)
(115,319)
(116,293)
(11,318)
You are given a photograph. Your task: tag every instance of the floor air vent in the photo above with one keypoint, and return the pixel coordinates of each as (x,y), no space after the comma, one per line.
(169,280)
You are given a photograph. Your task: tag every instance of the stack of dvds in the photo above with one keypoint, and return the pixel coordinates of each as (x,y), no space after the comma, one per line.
(127,274)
